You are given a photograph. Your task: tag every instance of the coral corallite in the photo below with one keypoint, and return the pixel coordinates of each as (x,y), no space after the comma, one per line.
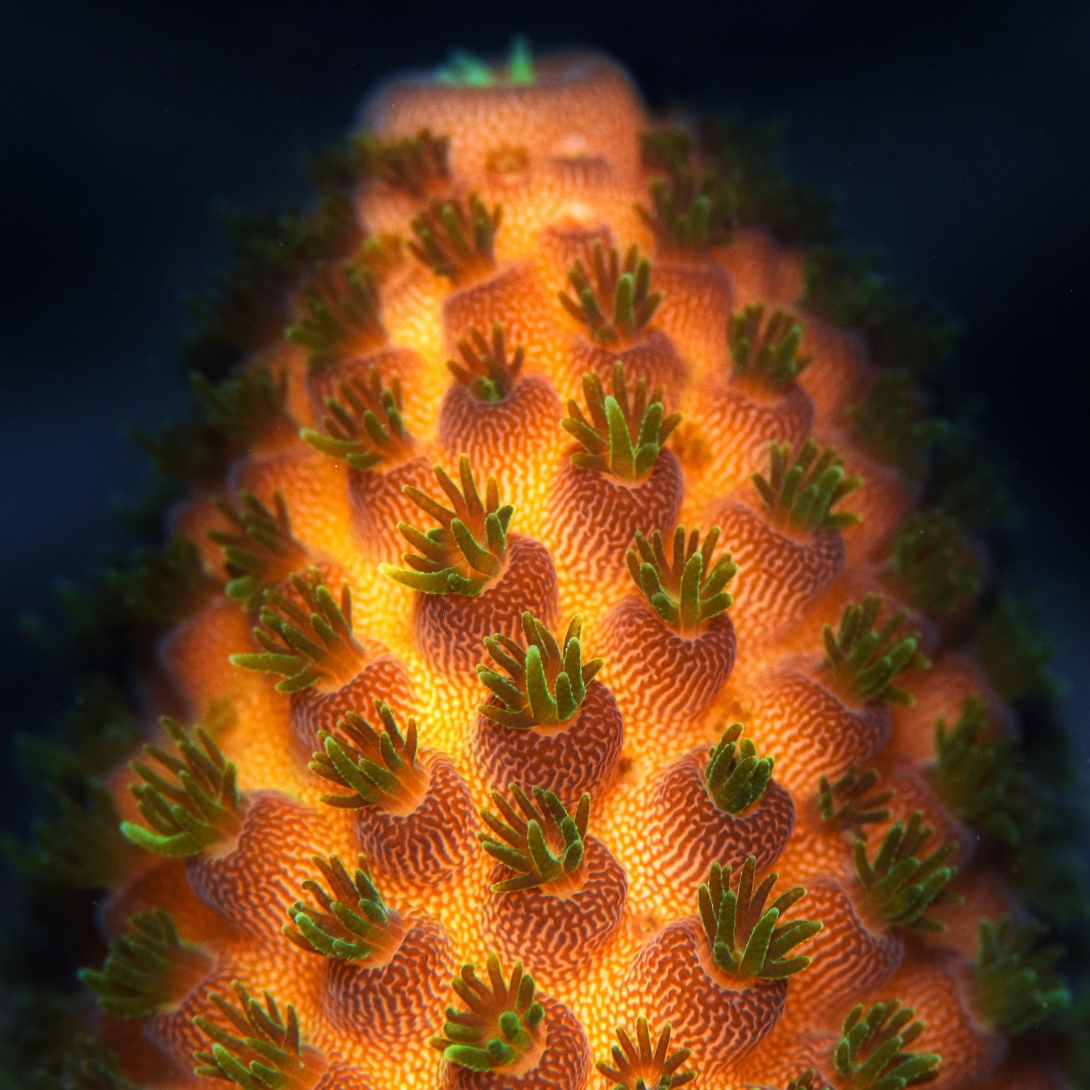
(546,697)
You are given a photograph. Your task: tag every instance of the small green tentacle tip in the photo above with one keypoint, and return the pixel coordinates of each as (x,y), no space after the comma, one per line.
(351,920)
(502,1020)
(304,647)
(377,766)
(746,938)
(283,1061)
(901,883)
(618,303)
(765,352)
(363,426)
(466,70)
(199,810)
(485,368)
(638,1066)
(149,969)
(735,776)
(978,777)
(805,1081)
(801,490)
(849,805)
(870,1054)
(466,550)
(1014,987)
(547,681)
(621,437)
(678,589)
(543,844)
(457,242)
(261,551)
(863,661)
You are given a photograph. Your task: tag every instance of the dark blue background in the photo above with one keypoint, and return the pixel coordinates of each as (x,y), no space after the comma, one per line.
(956,134)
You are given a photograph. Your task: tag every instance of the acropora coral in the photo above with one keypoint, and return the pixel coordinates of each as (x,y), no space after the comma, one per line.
(566,651)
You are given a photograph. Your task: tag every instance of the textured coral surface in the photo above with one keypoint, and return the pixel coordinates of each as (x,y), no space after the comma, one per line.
(645,792)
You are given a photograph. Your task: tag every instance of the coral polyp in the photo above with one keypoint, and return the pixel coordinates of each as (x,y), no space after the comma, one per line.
(570,648)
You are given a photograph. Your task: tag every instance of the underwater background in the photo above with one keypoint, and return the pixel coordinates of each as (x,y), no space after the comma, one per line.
(957,137)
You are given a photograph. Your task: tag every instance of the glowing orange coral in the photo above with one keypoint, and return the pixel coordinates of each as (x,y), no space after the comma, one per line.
(526,286)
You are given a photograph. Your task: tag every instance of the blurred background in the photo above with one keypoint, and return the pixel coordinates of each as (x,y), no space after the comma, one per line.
(957,136)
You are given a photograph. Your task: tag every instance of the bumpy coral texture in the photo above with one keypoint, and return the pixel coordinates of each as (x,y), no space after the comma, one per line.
(619,936)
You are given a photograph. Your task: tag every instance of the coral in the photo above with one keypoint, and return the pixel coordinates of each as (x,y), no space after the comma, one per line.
(689,592)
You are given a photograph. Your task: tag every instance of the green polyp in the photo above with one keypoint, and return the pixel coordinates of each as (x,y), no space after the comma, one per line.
(623,436)
(485,368)
(864,661)
(618,304)
(378,766)
(848,803)
(520,64)
(679,590)
(162,588)
(1014,986)
(149,969)
(304,647)
(260,551)
(411,164)
(639,1066)
(456,242)
(341,315)
(466,551)
(540,841)
(802,489)
(934,564)
(735,776)
(765,352)
(363,426)
(870,1054)
(901,883)
(260,1029)
(979,777)
(546,681)
(200,810)
(746,938)
(502,1022)
(244,405)
(465,70)
(1015,652)
(348,921)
